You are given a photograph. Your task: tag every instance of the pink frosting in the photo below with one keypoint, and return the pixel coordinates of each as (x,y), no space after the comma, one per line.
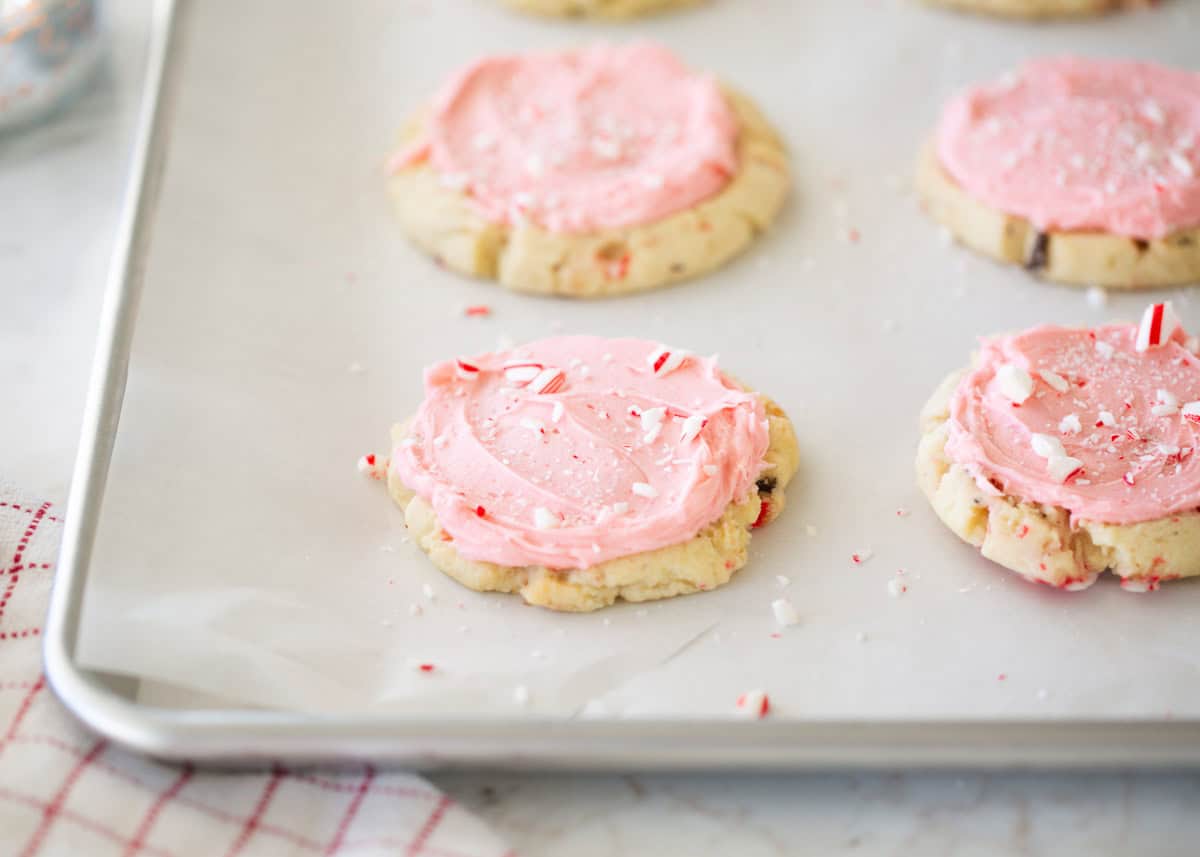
(1137,451)
(571,477)
(1081,144)
(579,141)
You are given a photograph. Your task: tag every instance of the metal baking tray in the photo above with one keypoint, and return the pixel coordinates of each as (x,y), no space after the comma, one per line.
(282,326)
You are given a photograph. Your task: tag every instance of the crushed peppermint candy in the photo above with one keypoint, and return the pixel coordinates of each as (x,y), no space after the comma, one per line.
(1058,382)
(754,703)
(1047,446)
(544,519)
(785,613)
(692,426)
(666,360)
(1165,404)
(521,373)
(859,557)
(1105,418)
(1070,424)
(644,489)
(1191,412)
(1063,468)
(1105,349)
(896,587)
(371,467)
(464,370)
(1014,383)
(1159,323)
(548,381)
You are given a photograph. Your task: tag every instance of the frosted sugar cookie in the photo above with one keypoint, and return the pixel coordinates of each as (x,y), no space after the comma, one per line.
(1066,452)
(579,470)
(1042,8)
(1084,171)
(587,173)
(599,8)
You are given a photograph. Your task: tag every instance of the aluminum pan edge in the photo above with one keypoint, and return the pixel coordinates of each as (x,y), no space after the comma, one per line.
(246,737)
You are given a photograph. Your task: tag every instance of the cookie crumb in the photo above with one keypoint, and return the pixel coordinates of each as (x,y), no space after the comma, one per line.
(428,592)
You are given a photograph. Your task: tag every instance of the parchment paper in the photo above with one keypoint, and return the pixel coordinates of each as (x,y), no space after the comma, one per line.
(285,323)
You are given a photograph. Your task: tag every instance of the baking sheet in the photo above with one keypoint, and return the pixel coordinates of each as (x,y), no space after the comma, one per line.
(284,323)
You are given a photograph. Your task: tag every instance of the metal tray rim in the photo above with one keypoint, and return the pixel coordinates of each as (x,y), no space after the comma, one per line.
(254,737)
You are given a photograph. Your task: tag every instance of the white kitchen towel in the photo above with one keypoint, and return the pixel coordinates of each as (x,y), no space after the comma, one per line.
(64,791)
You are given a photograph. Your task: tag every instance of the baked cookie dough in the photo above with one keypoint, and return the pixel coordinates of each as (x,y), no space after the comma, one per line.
(1042,8)
(1086,172)
(588,173)
(1064,453)
(579,470)
(599,8)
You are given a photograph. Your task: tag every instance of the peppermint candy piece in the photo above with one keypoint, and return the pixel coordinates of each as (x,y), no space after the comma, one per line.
(544,519)
(692,427)
(1070,424)
(464,370)
(645,489)
(785,613)
(548,381)
(371,467)
(1165,405)
(1159,324)
(666,360)
(1014,383)
(1063,468)
(1047,446)
(754,703)
(1058,382)
(522,373)
(1191,412)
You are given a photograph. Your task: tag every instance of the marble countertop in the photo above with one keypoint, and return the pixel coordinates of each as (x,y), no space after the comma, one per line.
(60,184)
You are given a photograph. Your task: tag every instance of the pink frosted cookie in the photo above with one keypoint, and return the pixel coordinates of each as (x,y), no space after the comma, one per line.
(1084,171)
(579,470)
(599,8)
(590,172)
(1043,8)
(1066,452)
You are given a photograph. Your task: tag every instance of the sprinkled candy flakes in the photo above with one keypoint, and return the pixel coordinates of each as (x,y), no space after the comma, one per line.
(1159,323)
(371,467)
(1014,383)
(785,613)
(664,361)
(754,703)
